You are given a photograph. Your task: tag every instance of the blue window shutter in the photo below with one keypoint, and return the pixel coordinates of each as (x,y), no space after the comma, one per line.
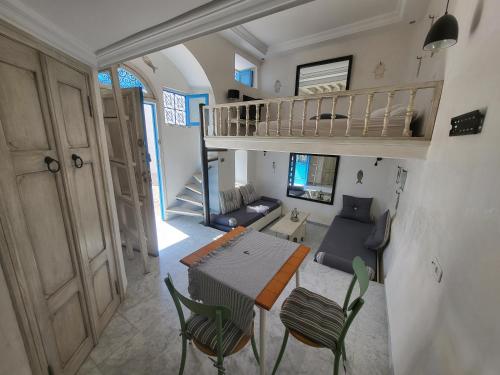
(193,102)
(246,77)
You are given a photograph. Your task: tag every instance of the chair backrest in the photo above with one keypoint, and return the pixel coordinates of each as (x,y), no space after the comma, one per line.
(209,311)
(352,309)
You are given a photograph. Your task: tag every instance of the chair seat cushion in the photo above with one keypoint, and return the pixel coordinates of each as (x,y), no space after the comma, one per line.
(204,331)
(313,316)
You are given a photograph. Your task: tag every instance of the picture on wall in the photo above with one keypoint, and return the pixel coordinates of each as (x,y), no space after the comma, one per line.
(312,177)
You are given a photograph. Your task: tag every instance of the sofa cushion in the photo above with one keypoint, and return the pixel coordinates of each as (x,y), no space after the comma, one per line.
(380,233)
(230,200)
(248,194)
(356,208)
(242,216)
(345,239)
(263,201)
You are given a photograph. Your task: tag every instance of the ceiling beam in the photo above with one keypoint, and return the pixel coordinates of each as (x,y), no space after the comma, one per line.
(244,39)
(214,16)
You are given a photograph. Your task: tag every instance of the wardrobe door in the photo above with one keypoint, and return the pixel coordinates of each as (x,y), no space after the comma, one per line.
(69,94)
(36,212)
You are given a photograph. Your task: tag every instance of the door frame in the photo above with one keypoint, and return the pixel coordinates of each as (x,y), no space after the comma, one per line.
(159,164)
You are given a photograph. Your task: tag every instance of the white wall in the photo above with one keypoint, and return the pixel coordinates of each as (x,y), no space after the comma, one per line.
(451,210)
(216,56)
(378,182)
(389,45)
(241,166)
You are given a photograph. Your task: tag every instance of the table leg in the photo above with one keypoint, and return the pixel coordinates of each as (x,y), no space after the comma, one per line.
(262,341)
(297,278)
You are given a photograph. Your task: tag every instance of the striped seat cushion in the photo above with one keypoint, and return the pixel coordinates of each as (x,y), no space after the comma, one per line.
(204,330)
(314,316)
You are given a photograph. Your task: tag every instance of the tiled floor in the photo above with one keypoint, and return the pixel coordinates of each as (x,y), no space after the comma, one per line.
(143,337)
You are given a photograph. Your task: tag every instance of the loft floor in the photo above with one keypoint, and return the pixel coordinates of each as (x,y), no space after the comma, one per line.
(143,337)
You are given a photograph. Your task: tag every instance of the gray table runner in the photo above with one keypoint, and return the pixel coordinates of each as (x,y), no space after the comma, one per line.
(236,273)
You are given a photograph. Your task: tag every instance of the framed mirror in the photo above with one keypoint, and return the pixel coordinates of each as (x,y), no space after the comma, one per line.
(312,177)
(323,76)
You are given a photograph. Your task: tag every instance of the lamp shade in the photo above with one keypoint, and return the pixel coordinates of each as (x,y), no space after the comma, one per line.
(443,33)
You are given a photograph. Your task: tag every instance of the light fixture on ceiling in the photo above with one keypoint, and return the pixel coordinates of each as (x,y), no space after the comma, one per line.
(443,32)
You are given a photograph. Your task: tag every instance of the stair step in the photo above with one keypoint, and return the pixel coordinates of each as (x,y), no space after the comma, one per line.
(198,177)
(190,199)
(194,187)
(183,210)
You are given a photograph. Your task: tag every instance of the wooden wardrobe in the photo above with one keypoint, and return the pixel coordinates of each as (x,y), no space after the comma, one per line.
(58,254)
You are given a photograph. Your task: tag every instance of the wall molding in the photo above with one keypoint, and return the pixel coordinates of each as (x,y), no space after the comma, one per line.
(244,39)
(212,17)
(395,16)
(26,19)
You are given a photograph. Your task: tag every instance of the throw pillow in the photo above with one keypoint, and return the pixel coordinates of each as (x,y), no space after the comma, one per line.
(380,234)
(229,200)
(356,208)
(248,194)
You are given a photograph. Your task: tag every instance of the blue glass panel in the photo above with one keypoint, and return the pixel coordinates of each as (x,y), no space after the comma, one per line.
(104,78)
(244,76)
(126,78)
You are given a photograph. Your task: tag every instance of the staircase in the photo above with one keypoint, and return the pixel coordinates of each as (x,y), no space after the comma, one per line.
(190,200)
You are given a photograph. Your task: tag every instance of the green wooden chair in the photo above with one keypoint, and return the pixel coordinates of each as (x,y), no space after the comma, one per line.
(209,329)
(322,323)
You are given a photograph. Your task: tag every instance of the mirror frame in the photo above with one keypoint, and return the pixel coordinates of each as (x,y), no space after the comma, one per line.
(334,178)
(323,62)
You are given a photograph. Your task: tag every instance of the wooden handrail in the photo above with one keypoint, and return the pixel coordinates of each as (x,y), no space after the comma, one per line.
(273,127)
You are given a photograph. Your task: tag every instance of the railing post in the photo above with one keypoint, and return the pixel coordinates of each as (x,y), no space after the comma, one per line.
(257,118)
(318,109)
(409,113)
(247,118)
(333,114)
(219,128)
(214,120)
(267,119)
(237,121)
(390,96)
(368,113)
(304,115)
(278,120)
(290,119)
(349,116)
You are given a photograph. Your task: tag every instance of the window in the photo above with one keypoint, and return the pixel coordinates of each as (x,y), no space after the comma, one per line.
(127,79)
(244,71)
(183,109)
(244,76)
(175,108)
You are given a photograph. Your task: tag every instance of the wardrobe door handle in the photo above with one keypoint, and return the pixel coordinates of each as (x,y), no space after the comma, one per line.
(51,162)
(77,161)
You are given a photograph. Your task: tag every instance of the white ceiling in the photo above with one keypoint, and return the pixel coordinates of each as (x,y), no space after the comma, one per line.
(103,32)
(319,21)
(98,23)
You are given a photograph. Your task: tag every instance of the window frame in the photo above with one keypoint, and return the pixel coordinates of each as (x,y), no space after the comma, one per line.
(175,92)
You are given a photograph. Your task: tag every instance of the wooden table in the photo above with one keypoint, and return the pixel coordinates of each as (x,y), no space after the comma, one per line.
(293,230)
(268,296)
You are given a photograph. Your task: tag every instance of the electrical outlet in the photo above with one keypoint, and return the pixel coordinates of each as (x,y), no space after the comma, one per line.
(437,271)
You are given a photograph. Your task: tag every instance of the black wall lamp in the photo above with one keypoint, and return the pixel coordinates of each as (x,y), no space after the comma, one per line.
(443,32)
(376,161)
